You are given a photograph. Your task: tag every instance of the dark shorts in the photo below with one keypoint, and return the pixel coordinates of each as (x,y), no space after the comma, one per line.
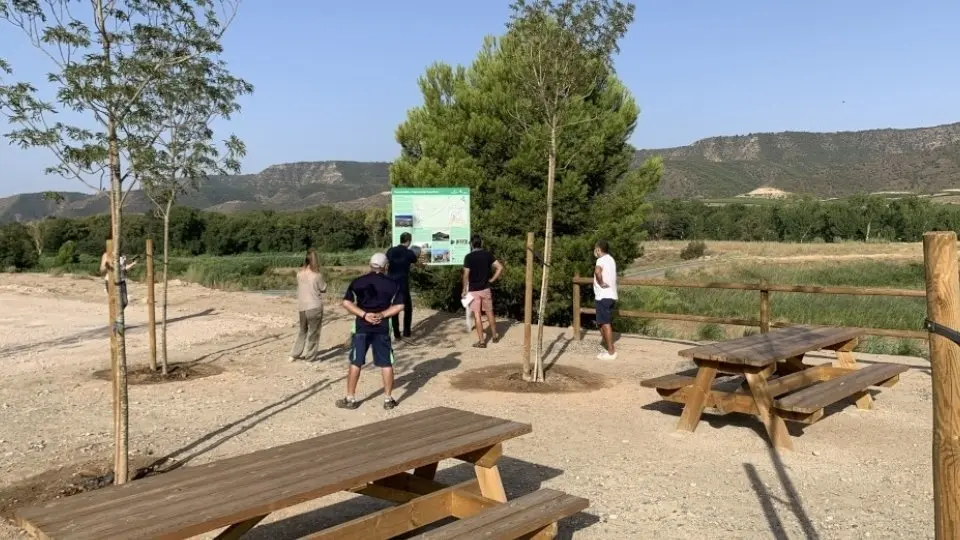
(382,350)
(605,311)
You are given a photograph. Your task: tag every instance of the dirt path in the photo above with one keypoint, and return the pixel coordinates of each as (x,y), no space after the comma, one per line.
(854,475)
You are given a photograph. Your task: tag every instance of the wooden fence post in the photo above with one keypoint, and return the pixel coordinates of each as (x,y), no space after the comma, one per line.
(151,308)
(528,309)
(943,307)
(576,307)
(764,307)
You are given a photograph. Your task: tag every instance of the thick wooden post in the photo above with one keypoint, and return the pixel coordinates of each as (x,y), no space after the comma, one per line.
(151,308)
(576,307)
(764,308)
(528,309)
(943,307)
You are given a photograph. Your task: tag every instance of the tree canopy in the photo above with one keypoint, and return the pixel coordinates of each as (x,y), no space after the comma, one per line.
(466,133)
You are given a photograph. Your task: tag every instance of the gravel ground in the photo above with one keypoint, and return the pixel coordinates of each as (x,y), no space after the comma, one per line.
(855,474)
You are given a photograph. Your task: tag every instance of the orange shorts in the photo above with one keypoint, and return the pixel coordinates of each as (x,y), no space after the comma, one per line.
(482,301)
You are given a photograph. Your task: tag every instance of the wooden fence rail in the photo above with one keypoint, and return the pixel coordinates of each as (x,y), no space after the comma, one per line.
(763,322)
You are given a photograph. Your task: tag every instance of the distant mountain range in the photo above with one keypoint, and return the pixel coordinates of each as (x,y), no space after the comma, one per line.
(921,160)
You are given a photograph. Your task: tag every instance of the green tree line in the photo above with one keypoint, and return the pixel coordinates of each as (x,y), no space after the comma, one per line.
(194,232)
(861,218)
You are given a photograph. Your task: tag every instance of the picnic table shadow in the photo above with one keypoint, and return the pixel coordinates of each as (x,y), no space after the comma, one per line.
(519,478)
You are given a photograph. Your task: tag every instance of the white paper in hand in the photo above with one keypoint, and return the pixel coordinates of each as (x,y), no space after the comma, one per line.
(466,301)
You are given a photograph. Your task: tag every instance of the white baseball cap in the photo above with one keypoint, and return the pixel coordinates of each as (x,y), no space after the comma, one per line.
(379,260)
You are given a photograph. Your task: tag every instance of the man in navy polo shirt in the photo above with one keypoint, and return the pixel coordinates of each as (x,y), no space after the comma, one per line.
(373,299)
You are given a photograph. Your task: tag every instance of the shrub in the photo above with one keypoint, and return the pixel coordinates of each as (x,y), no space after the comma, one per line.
(694,250)
(16,249)
(710,332)
(67,254)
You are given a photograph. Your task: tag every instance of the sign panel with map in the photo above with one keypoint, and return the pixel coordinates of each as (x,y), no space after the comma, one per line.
(438,219)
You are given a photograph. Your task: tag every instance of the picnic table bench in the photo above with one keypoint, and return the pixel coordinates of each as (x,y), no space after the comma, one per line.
(780,386)
(374,460)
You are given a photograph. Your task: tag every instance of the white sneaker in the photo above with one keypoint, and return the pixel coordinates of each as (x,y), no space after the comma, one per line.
(293,358)
(607,356)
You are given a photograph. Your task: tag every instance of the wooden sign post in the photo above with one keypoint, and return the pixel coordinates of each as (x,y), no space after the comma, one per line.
(943,307)
(151,308)
(528,309)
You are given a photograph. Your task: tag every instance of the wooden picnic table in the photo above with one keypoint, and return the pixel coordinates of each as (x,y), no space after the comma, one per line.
(780,386)
(239,492)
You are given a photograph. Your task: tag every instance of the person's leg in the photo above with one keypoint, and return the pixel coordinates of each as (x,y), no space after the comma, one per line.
(297,351)
(478,321)
(407,312)
(123,294)
(358,355)
(491,318)
(607,332)
(395,325)
(314,322)
(383,359)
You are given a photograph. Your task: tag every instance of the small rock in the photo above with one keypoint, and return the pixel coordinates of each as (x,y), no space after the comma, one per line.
(816,453)
(613,516)
(179,390)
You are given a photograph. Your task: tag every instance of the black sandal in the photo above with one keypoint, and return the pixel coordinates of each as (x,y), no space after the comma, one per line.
(479,345)
(496,339)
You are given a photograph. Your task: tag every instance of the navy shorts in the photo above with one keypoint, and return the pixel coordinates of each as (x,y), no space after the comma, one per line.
(382,350)
(605,311)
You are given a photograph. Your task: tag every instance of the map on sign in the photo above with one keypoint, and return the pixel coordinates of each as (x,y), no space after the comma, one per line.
(438,219)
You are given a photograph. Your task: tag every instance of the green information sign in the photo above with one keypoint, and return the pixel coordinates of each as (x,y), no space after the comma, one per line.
(437,218)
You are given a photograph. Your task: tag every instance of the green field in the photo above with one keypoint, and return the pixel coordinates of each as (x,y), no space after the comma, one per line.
(833,310)
(262,271)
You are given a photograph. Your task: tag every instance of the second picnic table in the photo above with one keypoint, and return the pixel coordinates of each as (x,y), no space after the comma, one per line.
(798,393)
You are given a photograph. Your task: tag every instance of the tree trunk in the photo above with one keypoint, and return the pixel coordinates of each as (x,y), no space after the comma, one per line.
(121,412)
(547,255)
(163,300)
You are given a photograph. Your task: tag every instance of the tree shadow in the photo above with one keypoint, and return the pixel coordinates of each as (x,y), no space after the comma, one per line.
(414,380)
(564,343)
(447,329)
(210,358)
(214,439)
(794,502)
(519,478)
(95,333)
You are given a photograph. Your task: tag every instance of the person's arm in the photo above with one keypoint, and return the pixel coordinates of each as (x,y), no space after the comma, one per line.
(396,307)
(416,260)
(598,276)
(372,318)
(320,284)
(131,265)
(497,270)
(105,265)
(466,281)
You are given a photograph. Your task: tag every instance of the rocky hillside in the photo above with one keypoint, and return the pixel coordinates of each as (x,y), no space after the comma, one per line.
(923,160)
(290,186)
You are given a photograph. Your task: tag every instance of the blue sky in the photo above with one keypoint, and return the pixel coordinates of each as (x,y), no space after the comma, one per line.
(334,79)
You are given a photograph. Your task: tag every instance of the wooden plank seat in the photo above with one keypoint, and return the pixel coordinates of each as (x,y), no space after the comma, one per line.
(237,493)
(531,516)
(814,398)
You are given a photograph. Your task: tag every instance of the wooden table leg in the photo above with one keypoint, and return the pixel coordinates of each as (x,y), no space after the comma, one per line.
(693,408)
(237,530)
(427,471)
(488,474)
(776,427)
(845,359)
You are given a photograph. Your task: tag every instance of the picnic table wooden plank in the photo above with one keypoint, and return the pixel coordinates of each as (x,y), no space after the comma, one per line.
(194,500)
(762,350)
(820,395)
(512,519)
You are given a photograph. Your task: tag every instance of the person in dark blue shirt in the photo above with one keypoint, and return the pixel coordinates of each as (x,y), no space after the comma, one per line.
(399,260)
(373,299)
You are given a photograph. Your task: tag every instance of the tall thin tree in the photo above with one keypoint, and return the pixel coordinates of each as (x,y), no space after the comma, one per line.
(183,150)
(562,55)
(107,57)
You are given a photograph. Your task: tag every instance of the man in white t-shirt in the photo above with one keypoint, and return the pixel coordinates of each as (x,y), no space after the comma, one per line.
(605,292)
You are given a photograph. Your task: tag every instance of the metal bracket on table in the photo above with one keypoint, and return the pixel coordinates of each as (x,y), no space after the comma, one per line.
(942,331)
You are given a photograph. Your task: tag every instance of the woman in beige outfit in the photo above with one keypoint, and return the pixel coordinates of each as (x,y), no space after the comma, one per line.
(310,289)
